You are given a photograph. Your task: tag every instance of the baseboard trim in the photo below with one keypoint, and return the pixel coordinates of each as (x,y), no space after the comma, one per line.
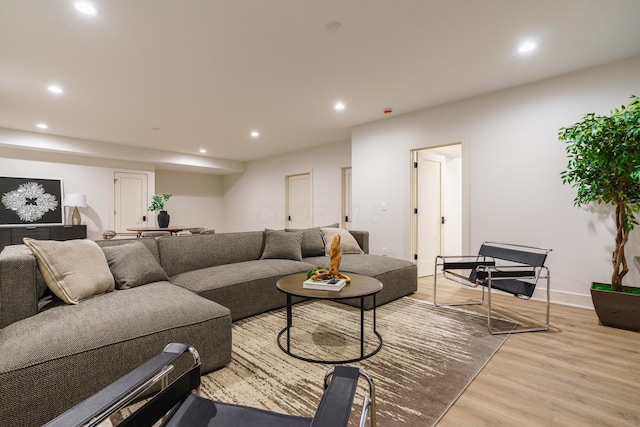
(564,298)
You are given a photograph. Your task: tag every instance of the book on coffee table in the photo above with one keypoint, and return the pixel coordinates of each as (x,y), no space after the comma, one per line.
(325,285)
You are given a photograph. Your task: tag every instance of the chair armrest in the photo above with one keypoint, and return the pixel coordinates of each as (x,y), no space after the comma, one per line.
(504,272)
(337,401)
(120,393)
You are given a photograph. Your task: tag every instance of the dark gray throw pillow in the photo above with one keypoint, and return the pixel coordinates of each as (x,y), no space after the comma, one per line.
(133,265)
(312,240)
(282,245)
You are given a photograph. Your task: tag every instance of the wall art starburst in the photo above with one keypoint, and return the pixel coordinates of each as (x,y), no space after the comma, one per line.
(28,201)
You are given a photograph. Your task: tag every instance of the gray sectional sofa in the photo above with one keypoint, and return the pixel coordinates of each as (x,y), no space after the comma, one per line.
(54,354)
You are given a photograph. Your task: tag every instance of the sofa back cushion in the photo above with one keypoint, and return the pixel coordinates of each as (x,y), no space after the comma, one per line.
(187,253)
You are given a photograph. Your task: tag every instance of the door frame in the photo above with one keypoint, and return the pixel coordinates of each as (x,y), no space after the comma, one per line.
(346,205)
(151,189)
(287,202)
(414,198)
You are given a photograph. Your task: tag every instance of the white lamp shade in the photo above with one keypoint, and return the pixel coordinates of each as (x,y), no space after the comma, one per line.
(72,199)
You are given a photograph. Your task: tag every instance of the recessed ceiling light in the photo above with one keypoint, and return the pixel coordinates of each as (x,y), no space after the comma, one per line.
(255,134)
(339,106)
(203,151)
(527,47)
(42,126)
(334,27)
(54,89)
(86,8)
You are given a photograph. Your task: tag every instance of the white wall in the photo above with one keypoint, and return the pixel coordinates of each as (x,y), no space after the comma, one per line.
(95,182)
(197,199)
(255,199)
(511,164)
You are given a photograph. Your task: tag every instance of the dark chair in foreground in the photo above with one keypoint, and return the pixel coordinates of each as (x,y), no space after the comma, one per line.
(514,269)
(179,406)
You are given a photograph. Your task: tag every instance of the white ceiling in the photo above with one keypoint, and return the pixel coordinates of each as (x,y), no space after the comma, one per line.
(182,75)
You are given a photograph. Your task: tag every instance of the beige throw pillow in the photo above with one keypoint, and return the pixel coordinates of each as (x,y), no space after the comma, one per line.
(73,269)
(348,243)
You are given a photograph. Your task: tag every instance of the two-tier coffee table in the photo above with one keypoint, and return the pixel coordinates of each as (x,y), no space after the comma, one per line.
(360,287)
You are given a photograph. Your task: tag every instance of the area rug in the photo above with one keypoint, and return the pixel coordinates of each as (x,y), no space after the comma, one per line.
(428,358)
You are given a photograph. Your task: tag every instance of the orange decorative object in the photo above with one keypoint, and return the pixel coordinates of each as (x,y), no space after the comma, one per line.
(334,263)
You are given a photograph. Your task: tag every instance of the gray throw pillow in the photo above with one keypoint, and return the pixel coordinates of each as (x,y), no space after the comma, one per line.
(282,245)
(133,265)
(312,241)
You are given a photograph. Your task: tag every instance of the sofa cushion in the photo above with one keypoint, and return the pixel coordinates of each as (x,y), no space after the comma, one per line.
(348,243)
(133,265)
(59,357)
(282,245)
(399,277)
(186,253)
(74,269)
(246,288)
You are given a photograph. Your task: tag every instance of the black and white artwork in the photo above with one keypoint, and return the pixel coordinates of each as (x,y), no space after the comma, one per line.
(26,201)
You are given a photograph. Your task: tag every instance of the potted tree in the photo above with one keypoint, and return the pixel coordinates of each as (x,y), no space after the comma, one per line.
(604,166)
(157,204)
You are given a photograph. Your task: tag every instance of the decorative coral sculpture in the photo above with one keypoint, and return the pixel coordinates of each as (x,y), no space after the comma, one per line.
(334,264)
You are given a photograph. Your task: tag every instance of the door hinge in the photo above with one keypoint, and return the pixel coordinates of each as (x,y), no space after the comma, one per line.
(415,256)
(415,164)
(346,218)
(442,220)
(289,217)
(415,210)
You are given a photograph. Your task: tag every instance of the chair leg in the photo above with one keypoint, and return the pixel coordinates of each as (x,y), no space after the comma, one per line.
(369,401)
(538,329)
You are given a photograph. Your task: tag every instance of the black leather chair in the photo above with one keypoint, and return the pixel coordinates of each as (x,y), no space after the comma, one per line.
(506,267)
(177,404)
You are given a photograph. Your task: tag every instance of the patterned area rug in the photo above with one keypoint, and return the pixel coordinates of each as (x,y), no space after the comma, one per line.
(429,356)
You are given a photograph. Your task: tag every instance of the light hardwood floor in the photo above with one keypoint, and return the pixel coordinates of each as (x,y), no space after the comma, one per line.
(577,373)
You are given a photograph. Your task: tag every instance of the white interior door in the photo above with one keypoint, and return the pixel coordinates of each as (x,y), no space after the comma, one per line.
(429,213)
(131,200)
(299,203)
(347,215)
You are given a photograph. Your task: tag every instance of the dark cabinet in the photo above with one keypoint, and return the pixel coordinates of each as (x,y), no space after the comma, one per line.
(14,235)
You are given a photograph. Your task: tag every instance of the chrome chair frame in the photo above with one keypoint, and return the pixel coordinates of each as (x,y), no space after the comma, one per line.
(495,263)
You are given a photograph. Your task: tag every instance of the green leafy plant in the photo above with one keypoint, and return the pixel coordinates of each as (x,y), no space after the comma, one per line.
(604,166)
(157,203)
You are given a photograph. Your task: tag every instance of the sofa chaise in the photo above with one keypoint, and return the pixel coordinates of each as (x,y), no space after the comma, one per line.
(188,289)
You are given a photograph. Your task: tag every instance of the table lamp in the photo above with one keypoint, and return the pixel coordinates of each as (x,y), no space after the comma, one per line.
(75,200)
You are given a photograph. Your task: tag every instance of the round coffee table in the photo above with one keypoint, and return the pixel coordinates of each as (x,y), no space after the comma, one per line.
(360,287)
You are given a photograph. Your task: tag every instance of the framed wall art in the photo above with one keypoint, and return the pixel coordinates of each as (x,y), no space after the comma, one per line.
(30,201)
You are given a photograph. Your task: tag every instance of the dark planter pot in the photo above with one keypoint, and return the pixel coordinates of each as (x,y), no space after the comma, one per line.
(163,219)
(617,309)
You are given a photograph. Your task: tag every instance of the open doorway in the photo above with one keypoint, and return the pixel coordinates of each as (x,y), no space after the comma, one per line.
(437,204)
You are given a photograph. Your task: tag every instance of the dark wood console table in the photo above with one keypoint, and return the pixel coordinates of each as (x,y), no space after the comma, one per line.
(14,235)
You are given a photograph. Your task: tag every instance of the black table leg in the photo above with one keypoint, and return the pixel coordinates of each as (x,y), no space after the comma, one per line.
(289,322)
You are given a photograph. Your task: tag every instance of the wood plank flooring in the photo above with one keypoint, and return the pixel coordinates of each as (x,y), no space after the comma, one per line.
(576,374)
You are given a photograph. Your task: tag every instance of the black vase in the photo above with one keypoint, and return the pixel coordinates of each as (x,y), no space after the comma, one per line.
(163,219)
